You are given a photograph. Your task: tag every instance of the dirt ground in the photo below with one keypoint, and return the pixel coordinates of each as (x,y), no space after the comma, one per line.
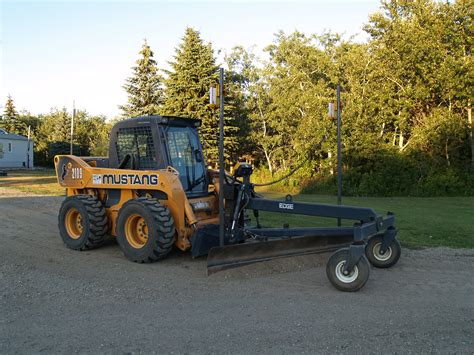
(53,299)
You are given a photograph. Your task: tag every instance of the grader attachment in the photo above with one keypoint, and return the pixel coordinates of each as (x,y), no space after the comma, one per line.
(246,244)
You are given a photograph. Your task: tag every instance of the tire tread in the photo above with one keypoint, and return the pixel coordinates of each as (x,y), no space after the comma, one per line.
(98,221)
(164,228)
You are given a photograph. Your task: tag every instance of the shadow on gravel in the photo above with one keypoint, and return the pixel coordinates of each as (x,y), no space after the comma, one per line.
(39,213)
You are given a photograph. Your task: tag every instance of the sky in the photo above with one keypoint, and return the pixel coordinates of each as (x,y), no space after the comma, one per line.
(56,52)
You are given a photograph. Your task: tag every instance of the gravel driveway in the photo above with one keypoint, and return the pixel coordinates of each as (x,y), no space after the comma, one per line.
(53,299)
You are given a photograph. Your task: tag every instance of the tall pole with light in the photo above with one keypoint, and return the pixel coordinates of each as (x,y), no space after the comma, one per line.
(214,93)
(337,114)
(221,158)
(339,151)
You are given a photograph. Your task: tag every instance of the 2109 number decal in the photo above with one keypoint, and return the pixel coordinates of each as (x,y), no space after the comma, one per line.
(76,173)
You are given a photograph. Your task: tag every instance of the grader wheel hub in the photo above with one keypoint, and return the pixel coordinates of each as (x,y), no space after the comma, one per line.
(136,231)
(73,223)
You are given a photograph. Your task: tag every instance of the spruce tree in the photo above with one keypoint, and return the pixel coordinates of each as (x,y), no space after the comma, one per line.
(10,116)
(187,91)
(144,87)
(62,126)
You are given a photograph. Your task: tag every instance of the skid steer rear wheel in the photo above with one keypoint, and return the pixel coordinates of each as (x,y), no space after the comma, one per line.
(351,282)
(82,222)
(387,259)
(145,230)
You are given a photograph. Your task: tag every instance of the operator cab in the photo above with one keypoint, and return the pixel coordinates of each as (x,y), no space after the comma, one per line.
(156,142)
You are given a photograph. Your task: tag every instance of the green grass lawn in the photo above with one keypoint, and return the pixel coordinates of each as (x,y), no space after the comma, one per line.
(41,182)
(422,221)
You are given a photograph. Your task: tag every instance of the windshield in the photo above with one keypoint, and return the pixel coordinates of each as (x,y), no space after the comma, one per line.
(186,157)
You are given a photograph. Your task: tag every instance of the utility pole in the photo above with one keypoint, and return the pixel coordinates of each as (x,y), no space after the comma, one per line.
(28,149)
(71,151)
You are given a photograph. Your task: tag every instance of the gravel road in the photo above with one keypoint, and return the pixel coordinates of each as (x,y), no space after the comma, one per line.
(53,299)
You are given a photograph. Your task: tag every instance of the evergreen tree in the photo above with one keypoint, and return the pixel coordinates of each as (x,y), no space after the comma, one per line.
(187,91)
(144,87)
(62,126)
(10,116)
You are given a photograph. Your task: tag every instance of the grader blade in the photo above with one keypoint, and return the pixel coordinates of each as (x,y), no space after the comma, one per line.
(231,256)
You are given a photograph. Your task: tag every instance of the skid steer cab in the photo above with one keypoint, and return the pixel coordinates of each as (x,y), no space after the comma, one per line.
(154,192)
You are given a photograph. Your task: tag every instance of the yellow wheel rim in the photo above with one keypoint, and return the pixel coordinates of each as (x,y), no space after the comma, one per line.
(136,231)
(73,223)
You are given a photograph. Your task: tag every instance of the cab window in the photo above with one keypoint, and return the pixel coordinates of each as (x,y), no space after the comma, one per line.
(186,157)
(138,142)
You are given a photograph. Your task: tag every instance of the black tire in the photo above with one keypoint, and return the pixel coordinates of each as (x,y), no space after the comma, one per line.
(91,222)
(391,256)
(352,282)
(156,241)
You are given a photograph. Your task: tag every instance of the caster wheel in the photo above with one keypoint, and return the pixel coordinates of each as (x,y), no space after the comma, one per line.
(351,282)
(385,260)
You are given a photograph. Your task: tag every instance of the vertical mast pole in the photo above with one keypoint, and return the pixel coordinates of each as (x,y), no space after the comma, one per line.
(221,158)
(339,152)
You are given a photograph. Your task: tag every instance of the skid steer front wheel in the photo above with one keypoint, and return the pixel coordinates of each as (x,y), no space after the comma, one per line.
(82,222)
(145,230)
(355,279)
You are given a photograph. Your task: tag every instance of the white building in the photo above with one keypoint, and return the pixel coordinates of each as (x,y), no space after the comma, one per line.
(15,151)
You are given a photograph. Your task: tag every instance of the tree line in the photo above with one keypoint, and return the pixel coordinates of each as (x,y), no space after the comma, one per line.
(406,103)
(51,132)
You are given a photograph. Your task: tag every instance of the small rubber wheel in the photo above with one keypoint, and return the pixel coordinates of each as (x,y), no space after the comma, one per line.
(385,260)
(145,230)
(355,280)
(82,222)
